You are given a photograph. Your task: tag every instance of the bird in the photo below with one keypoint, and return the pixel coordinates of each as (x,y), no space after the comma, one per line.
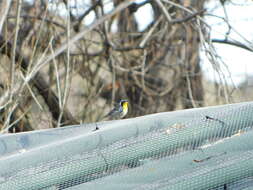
(118,112)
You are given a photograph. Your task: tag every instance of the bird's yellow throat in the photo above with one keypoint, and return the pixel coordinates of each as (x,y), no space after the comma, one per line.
(125,105)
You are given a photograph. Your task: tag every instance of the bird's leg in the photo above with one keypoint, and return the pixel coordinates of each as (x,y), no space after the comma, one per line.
(96,128)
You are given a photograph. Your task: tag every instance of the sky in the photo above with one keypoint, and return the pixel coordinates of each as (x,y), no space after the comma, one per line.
(237,64)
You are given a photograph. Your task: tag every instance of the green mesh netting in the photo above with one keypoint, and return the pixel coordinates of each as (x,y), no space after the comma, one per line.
(205,148)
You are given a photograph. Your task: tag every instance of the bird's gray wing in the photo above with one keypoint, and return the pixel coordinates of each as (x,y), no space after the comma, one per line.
(112,113)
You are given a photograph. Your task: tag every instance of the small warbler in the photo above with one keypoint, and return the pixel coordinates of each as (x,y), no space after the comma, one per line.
(118,112)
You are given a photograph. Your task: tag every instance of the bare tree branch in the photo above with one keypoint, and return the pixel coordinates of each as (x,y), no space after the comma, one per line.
(40,83)
(233,43)
(5,6)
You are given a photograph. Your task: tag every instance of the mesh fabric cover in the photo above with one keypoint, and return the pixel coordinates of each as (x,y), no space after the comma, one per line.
(205,148)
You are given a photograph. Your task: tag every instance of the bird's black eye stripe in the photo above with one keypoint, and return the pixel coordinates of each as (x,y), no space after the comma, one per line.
(122,102)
